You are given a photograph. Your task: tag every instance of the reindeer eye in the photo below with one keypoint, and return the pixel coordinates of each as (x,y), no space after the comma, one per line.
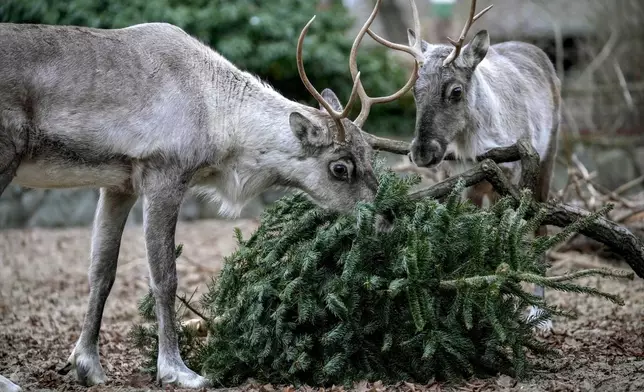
(340,170)
(456,93)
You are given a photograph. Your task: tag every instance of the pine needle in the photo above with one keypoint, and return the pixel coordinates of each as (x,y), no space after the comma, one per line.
(323,298)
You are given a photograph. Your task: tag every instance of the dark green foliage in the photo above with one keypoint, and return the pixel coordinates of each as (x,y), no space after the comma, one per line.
(256,35)
(323,298)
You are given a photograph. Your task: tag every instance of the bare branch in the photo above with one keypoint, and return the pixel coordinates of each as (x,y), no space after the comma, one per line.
(388,145)
(603,54)
(186,303)
(622,83)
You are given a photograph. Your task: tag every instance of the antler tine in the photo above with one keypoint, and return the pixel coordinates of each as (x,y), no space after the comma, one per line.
(414,50)
(335,115)
(458,45)
(353,63)
(366,101)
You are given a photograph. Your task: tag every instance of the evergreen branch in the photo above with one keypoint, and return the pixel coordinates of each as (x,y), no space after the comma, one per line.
(314,297)
(186,303)
(599,228)
(604,272)
(475,282)
(478,282)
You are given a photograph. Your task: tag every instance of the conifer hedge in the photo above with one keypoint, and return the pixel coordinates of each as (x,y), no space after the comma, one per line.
(322,298)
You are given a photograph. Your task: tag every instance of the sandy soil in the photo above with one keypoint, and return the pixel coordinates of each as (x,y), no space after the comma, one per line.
(43,292)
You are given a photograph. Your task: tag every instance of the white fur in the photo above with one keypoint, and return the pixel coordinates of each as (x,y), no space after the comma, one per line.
(7,385)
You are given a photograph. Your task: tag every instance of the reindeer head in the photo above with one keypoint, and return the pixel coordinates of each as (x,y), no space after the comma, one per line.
(338,152)
(442,92)
(334,175)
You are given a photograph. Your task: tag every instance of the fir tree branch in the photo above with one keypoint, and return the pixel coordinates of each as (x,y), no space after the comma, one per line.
(186,303)
(300,311)
(478,282)
(475,282)
(498,155)
(604,272)
(615,236)
(443,188)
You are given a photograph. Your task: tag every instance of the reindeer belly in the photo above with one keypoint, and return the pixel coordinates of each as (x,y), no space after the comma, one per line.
(59,174)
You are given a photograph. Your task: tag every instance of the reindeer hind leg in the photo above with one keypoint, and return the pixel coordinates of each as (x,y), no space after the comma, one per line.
(111,214)
(546,170)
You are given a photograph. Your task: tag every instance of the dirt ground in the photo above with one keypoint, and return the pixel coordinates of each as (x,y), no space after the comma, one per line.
(43,293)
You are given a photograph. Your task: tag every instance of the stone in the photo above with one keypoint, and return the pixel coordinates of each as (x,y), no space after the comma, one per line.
(639,160)
(12,215)
(65,208)
(615,167)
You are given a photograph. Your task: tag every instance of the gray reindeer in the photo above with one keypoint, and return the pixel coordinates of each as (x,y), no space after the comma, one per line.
(472,98)
(150,111)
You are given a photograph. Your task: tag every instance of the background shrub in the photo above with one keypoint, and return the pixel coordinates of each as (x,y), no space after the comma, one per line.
(256,35)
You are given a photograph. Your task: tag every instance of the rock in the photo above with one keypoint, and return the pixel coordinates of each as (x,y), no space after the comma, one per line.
(614,167)
(24,207)
(639,160)
(271,196)
(64,208)
(11,213)
(190,209)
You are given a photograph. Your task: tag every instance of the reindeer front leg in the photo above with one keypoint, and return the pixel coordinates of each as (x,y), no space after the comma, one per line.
(111,214)
(163,195)
(537,175)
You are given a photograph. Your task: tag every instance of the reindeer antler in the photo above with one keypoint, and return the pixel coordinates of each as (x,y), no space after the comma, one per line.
(459,44)
(358,89)
(335,115)
(415,50)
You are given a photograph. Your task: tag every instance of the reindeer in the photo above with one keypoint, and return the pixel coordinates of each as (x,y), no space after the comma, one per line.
(472,98)
(7,386)
(150,111)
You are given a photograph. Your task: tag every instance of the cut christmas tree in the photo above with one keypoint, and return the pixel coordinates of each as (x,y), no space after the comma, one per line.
(320,298)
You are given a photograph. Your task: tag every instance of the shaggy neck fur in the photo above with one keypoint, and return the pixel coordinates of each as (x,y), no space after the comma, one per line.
(254,130)
(487,126)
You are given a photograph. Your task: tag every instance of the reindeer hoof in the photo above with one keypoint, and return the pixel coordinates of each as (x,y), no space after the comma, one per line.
(182,377)
(544,328)
(87,366)
(7,385)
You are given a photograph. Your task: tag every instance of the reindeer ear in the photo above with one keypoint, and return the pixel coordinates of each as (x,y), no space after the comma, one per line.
(310,135)
(332,99)
(476,50)
(411,37)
